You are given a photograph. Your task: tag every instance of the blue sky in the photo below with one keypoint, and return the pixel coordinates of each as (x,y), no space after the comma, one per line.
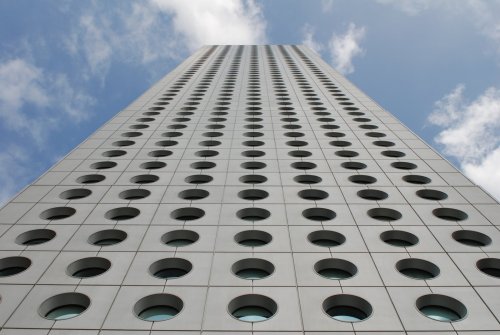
(68,66)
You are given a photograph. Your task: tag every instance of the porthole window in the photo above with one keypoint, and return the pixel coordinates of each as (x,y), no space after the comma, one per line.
(404,165)
(152,165)
(158,307)
(103,165)
(252,268)
(362,179)
(57,213)
(450,214)
(326,238)
(134,194)
(10,266)
(203,165)
(75,194)
(90,179)
(471,238)
(417,268)
(399,238)
(187,213)
(353,165)
(313,194)
(107,237)
(122,213)
(335,268)
(371,194)
(193,194)
(252,308)
(64,306)
(253,214)
(114,153)
(307,179)
(170,268)
(384,214)
(253,179)
(253,238)
(88,267)
(198,179)
(253,194)
(416,179)
(35,237)
(441,308)
(319,214)
(489,266)
(347,308)
(159,153)
(180,238)
(432,194)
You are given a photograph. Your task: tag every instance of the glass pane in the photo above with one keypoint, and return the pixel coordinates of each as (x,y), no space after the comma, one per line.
(170,273)
(346,313)
(158,313)
(11,271)
(88,272)
(36,241)
(107,241)
(65,312)
(252,314)
(398,243)
(252,273)
(326,243)
(179,242)
(335,273)
(440,313)
(253,243)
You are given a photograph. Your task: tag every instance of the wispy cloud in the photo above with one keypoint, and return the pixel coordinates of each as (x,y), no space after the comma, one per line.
(14,170)
(471,134)
(411,7)
(344,47)
(202,22)
(326,6)
(483,14)
(309,40)
(33,101)
(160,30)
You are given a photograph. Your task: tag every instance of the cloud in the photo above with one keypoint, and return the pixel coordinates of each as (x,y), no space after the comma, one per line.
(326,6)
(13,171)
(483,14)
(471,134)
(202,22)
(33,101)
(143,33)
(308,39)
(411,7)
(343,48)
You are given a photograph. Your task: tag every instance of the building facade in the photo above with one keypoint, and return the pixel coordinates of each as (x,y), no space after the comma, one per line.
(252,190)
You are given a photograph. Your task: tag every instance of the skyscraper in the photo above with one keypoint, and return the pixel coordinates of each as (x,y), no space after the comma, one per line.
(252,190)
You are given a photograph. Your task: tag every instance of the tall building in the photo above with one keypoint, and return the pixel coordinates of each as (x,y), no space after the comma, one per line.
(252,190)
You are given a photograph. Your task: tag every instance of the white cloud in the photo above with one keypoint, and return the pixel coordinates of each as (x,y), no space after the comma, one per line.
(483,14)
(326,6)
(216,22)
(13,171)
(411,7)
(158,30)
(471,134)
(309,40)
(343,48)
(33,101)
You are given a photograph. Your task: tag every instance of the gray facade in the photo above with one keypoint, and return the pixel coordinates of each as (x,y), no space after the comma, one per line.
(252,190)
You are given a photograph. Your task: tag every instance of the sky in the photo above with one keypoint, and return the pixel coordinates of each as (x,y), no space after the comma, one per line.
(66,67)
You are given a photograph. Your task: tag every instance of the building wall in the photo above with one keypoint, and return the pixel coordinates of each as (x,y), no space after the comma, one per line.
(270,144)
